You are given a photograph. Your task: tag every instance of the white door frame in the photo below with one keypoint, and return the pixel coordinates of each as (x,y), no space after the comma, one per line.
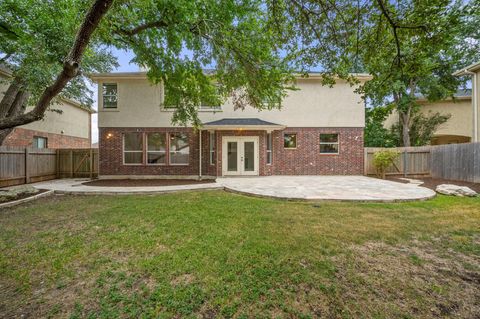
(240,155)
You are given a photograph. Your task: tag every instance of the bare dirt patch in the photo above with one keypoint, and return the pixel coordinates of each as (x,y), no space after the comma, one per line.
(185,279)
(432,183)
(419,280)
(146,182)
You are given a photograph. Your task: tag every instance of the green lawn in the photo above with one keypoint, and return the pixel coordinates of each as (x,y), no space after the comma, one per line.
(214,254)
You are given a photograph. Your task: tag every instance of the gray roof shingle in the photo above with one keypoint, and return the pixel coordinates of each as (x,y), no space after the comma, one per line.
(240,122)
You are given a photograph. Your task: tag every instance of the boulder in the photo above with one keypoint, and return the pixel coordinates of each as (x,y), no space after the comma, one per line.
(455,190)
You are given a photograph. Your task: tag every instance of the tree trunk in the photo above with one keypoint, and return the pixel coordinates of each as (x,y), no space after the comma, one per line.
(70,69)
(405,121)
(16,108)
(9,97)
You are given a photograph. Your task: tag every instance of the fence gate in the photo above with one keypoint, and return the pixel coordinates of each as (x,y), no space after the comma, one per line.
(77,163)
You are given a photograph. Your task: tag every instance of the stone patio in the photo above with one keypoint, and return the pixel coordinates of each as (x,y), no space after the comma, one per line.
(344,188)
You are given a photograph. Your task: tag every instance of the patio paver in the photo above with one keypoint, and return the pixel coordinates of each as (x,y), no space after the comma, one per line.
(354,188)
(345,188)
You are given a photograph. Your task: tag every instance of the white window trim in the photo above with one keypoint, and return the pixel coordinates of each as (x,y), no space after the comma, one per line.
(212,147)
(124,151)
(329,143)
(147,151)
(271,148)
(109,95)
(296,141)
(170,151)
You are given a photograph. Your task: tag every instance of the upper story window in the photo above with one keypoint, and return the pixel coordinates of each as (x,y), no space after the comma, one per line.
(290,140)
(329,143)
(110,95)
(205,105)
(40,142)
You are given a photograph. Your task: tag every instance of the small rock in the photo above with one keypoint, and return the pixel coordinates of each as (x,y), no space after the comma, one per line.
(455,190)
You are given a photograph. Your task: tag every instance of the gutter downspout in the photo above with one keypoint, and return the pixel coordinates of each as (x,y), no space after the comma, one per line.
(199,154)
(474,104)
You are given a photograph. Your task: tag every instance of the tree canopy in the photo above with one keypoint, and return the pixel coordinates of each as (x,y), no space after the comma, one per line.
(255,47)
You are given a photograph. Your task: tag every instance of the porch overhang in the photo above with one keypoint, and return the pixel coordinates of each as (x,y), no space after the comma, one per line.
(251,124)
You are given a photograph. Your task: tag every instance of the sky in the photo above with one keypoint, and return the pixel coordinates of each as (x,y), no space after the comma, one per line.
(124,58)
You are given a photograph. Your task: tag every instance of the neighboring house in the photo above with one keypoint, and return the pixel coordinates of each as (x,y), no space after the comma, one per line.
(457,129)
(70,129)
(474,71)
(464,124)
(318,131)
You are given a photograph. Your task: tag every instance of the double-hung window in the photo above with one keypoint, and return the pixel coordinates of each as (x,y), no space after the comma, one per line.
(179,149)
(110,95)
(156,148)
(329,143)
(212,147)
(269,148)
(133,148)
(289,140)
(40,142)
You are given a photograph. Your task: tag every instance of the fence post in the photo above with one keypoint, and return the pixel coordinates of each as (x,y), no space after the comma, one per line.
(91,163)
(365,161)
(27,171)
(405,162)
(71,164)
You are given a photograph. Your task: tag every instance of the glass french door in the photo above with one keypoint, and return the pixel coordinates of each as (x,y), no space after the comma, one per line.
(240,155)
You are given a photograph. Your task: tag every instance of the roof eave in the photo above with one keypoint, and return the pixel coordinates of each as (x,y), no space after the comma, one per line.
(243,127)
(468,70)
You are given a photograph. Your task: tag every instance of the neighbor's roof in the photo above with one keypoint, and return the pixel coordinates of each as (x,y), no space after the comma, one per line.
(241,123)
(471,68)
(460,95)
(143,75)
(7,73)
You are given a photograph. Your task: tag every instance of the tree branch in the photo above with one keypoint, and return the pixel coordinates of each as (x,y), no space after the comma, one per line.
(143,27)
(70,66)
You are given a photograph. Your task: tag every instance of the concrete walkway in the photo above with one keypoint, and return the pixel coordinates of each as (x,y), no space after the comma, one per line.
(75,186)
(345,188)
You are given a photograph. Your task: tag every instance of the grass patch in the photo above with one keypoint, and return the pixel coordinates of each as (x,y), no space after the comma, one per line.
(215,254)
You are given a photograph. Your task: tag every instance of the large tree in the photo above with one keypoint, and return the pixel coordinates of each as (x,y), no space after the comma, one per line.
(409,47)
(42,50)
(176,40)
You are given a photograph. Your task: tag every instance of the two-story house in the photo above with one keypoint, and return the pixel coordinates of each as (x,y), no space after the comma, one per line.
(463,126)
(318,131)
(67,127)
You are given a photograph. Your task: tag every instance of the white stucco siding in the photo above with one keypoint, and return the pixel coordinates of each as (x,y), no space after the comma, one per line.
(73,121)
(313,105)
(460,122)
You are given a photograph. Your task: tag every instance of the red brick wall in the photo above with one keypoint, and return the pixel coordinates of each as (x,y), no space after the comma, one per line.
(111,154)
(24,138)
(304,160)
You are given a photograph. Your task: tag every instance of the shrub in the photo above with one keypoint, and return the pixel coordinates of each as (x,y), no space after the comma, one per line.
(383,159)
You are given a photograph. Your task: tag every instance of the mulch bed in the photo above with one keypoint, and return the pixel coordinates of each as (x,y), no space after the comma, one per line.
(146,182)
(432,183)
(24,195)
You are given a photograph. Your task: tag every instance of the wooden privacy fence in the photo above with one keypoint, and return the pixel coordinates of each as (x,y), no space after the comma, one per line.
(77,163)
(30,165)
(26,165)
(412,161)
(457,162)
